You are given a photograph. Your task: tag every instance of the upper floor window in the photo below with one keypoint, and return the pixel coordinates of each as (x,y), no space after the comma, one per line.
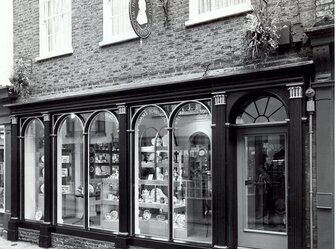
(55,28)
(205,10)
(116,22)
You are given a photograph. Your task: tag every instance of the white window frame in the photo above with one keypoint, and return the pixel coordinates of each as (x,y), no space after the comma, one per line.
(44,54)
(195,18)
(108,37)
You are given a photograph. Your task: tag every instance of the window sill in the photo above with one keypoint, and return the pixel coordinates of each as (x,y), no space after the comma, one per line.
(210,16)
(118,39)
(55,54)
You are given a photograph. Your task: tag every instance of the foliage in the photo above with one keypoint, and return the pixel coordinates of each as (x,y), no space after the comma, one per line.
(262,36)
(20,78)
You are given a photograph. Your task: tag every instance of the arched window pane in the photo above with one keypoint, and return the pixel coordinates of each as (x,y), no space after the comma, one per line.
(151,173)
(262,110)
(70,172)
(103,185)
(192,183)
(34,171)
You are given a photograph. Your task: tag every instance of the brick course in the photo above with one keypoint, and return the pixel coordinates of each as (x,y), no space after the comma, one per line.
(167,53)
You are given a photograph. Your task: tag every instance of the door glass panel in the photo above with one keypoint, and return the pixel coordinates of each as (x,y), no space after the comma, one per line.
(70,172)
(151,173)
(103,185)
(192,183)
(265,183)
(34,171)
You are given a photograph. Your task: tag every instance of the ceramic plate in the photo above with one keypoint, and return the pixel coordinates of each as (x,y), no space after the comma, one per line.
(114,215)
(146,215)
(38,215)
(42,188)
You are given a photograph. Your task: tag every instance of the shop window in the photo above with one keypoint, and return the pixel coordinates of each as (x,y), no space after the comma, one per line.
(205,10)
(103,185)
(34,171)
(116,23)
(2,168)
(192,179)
(55,28)
(262,109)
(70,172)
(151,173)
(187,176)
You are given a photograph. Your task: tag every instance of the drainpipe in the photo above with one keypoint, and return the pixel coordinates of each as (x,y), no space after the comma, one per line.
(310,93)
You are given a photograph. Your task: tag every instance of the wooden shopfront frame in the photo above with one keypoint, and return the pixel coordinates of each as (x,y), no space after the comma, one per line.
(225,92)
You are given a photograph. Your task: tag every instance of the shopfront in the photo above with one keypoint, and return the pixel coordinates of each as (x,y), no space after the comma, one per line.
(207,165)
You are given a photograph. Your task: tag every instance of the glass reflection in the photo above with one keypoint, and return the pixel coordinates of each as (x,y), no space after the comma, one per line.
(151,172)
(103,185)
(266,183)
(34,171)
(192,183)
(70,180)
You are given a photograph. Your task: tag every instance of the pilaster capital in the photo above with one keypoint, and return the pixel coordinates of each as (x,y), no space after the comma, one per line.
(46,116)
(220,98)
(122,108)
(14,120)
(295,91)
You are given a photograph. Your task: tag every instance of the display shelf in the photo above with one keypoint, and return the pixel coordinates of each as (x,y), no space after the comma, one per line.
(110,202)
(164,207)
(153,182)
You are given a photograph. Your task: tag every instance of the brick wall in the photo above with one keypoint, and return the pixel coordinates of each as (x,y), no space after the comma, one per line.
(72,242)
(29,235)
(325,8)
(169,53)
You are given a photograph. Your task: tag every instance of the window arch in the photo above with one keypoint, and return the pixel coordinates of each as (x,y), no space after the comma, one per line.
(262,109)
(34,171)
(191,156)
(151,172)
(70,172)
(103,187)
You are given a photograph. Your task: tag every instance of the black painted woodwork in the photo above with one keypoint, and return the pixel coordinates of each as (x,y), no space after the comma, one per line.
(86,217)
(45,229)
(13,223)
(296,193)
(193,89)
(45,235)
(220,225)
(231,192)
(48,174)
(124,176)
(224,154)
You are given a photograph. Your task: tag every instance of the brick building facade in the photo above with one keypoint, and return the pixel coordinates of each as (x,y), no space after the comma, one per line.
(190,66)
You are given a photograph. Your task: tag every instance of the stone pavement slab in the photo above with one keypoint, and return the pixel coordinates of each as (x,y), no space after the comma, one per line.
(6,244)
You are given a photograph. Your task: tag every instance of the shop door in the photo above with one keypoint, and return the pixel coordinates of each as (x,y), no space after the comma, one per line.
(262,189)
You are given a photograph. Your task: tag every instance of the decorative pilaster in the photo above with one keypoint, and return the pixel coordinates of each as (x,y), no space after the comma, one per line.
(13,223)
(221,225)
(124,176)
(45,228)
(295,168)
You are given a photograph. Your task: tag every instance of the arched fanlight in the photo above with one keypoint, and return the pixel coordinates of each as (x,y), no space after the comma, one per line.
(264,109)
